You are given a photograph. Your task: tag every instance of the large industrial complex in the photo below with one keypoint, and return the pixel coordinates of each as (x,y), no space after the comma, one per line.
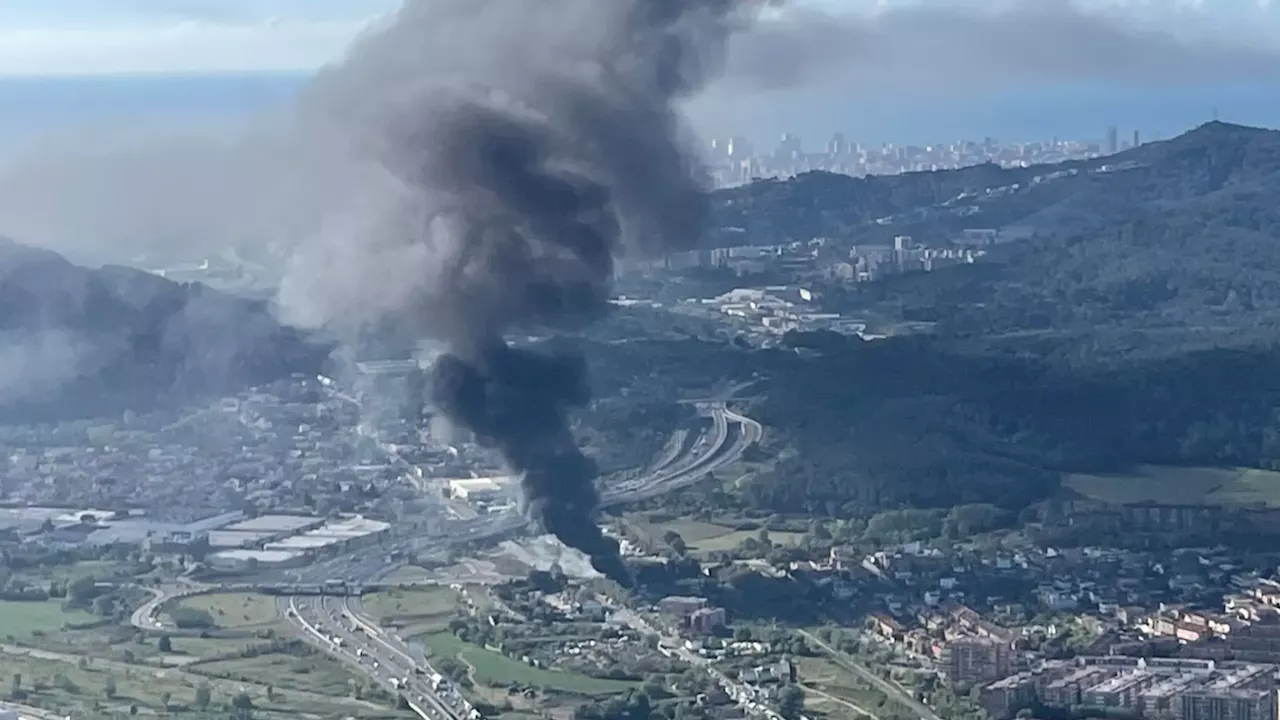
(288,540)
(233,540)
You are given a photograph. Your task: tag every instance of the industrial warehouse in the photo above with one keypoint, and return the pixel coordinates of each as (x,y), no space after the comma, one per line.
(288,541)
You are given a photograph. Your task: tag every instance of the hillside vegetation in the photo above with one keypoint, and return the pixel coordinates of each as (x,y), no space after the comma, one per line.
(80,342)
(1137,326)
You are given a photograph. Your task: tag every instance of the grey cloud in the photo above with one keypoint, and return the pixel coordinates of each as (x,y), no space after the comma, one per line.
(949,45)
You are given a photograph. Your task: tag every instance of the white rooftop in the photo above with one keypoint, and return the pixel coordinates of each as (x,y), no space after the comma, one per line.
(303,542)
(275,523)
(350,527)
(266,557)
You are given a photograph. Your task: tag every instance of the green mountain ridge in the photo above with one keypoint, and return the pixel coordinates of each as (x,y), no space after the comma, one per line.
(933,206)
(1139,325)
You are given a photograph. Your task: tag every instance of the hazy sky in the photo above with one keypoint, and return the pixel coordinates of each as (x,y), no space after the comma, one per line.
(61,37)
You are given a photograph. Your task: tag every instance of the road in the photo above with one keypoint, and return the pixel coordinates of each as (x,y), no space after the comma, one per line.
(26,712)
(891,691)
(338,626)
(145,615)
(741,693)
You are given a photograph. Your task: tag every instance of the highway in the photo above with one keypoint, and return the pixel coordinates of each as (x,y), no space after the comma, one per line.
(385,658)
(338,626)
(706,456)
(329,624)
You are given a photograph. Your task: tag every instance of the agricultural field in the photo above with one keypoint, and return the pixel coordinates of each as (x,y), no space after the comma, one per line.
(234,610)
(77,685)
(314,673)
(702,537)
(836,693)
(417,611)
(493,669)
(1181,486)
(23,620)
(409,574)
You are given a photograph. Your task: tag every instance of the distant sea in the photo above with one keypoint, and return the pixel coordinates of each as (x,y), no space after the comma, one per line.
(36,105)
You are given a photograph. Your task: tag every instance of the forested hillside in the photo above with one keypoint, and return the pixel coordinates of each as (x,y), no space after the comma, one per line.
(1141,324)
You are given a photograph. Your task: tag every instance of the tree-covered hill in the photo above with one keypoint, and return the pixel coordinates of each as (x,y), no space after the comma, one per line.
(79,342)
(1184,256)
(1140,324)
(1051,199)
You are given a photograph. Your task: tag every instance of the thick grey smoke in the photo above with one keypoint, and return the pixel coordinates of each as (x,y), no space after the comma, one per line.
(516,151)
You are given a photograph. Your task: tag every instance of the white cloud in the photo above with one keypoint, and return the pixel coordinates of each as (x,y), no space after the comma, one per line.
(99,37)
(174,47)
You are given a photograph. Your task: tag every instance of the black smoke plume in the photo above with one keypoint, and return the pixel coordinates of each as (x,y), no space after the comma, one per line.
(517,150)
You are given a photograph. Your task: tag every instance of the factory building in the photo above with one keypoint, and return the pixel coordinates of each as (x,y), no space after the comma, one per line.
(480,490)
(346,534)
(258,531)
(256,559)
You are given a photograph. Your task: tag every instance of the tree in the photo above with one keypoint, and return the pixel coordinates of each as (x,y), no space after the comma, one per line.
(15,686)
(242,701)
(82,591)
(164,644)
(203,697)
(791,701)
(742,634)
(654,688)
(675,542)
(165,697)
(104,606)
(109,687)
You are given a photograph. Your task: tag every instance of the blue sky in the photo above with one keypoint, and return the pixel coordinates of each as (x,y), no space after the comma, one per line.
(74,37)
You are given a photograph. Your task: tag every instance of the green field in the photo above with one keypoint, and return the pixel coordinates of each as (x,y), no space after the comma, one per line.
(191,649)
(235,610)
(418,611)
(64,683)
(69,686)
(23,619)
(410,573)
(97,569)
(701,536)
(846,695)
(313,673)
(1181,486)
(498,670)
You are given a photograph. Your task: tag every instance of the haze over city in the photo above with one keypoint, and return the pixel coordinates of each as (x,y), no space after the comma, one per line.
(640,359)
(875,71)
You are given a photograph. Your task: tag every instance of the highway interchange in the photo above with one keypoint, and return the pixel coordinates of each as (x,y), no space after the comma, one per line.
(388,660)
(338,626)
